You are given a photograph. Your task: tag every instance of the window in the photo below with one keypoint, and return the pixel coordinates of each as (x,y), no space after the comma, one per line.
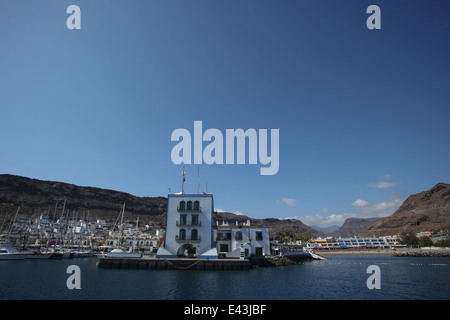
(195,220)
(224,247)
(183,219)
(238,235)
(224,235)
(182,205)
(194,234)
(189,206)
(182,234)
(258,235)
(196,206)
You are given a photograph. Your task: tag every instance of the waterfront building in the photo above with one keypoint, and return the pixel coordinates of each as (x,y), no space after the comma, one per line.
(393,241)
(355,243)
(142,243)
(327,243)
(368,242)
(424,234)
(189,227)
(441,235)
(232,241)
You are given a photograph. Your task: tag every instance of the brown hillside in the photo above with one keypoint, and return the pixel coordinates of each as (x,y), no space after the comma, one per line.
(425,211)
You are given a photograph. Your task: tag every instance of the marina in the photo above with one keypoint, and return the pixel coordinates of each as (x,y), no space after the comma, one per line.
(191,241)
(197,258)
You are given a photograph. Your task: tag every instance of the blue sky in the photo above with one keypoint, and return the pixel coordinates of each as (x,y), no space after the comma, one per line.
(363,114)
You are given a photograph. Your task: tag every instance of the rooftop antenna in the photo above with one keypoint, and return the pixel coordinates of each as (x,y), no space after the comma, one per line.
(206,186)
(182,181)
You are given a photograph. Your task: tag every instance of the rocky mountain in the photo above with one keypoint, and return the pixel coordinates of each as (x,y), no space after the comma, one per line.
(353,226)
(37,197)
(425,211)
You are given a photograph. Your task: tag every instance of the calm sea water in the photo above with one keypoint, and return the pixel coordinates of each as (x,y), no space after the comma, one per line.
(339,277)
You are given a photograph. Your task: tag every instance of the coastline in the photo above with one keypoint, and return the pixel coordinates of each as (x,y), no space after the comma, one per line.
(416,252)
(353,251)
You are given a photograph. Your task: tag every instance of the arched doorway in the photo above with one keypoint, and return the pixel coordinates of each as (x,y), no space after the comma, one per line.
(187,250)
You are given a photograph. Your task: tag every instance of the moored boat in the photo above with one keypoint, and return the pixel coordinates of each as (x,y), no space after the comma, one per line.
(38,255)
(56,255)
(119,253)
(83,254)
(8,252)
(67,254)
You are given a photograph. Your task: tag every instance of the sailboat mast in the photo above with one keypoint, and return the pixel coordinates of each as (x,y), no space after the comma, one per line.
(12,225)
(123,212)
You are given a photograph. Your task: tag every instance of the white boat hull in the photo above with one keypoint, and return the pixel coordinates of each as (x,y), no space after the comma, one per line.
(13,256)
(83,254)
(8,252)
(119,253)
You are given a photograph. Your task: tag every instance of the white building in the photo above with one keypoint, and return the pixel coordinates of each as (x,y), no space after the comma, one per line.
(368,242)
(189,227)
(231,240)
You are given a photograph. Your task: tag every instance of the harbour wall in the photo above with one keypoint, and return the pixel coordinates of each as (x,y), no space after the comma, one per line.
(174,264)
(200,264)
(439,253)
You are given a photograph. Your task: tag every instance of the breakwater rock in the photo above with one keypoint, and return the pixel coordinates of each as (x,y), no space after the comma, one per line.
(423,253)
(280,261)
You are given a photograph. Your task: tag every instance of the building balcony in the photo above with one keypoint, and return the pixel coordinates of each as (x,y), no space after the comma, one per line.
(187,239)
(188,225)
(184,209)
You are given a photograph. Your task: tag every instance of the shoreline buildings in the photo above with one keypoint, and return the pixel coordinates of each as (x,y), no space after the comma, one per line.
(355,243)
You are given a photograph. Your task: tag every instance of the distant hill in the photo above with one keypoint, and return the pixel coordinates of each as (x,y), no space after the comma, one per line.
(425,211)
(38,197)
(353,226)
(326,230)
